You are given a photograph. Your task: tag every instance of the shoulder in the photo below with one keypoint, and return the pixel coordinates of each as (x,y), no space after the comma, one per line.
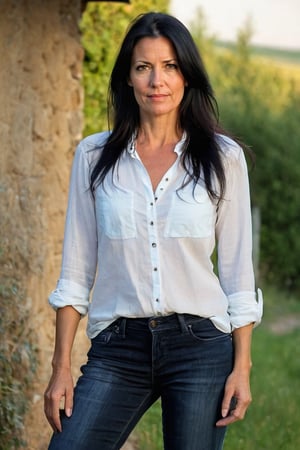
(230,149)
(90,147)
(232,155)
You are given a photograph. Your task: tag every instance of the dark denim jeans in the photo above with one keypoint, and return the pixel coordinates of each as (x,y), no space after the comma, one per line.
(182,359)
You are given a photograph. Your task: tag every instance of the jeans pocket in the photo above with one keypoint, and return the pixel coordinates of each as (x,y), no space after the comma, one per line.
(105,336)
(205,331)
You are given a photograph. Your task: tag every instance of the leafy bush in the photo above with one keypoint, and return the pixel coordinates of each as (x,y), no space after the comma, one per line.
(263,108)
(259,101)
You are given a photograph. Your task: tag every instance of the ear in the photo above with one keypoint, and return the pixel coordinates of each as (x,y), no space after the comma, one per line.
(129,82)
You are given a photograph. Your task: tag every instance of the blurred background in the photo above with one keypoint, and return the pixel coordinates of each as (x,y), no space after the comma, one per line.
(56,61)
(275,23)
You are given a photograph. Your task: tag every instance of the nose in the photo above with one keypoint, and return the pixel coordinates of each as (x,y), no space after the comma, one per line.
(156,77)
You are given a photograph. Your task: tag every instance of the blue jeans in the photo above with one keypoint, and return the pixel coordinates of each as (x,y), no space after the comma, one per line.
(182,359)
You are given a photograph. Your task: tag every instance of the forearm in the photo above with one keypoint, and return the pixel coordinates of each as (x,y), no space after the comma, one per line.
(67,320)
(242,348)
(238,383)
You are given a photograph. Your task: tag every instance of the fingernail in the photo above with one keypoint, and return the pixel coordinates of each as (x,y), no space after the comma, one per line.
(224,413)
(68,412)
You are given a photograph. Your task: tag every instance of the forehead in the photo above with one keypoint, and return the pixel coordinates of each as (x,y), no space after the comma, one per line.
(153,47)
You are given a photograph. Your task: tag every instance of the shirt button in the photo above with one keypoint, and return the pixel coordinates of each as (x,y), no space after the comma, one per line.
(166,179)
(153,323)
(155,269)
(151,204)
(153,244)
(157,300)
(155,198)
(151,223)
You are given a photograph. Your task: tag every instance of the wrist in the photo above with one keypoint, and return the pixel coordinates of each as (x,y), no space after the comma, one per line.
(61,365)
(243,366)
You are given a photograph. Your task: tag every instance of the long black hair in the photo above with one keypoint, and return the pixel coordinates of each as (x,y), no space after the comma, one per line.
(198,113)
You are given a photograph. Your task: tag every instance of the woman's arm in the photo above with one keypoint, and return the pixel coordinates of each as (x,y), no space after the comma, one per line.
(234,235)
(237,395)
(61,382)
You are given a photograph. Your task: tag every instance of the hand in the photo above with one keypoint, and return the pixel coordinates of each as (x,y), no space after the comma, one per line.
(237,398)
(60,386)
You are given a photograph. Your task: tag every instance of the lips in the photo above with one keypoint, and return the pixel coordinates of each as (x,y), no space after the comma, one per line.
(157,96)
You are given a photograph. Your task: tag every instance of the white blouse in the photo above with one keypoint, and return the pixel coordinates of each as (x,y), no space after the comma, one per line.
(141,253)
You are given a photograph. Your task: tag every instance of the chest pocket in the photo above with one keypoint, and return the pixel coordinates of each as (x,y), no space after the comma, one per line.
(191,213)
(115,213)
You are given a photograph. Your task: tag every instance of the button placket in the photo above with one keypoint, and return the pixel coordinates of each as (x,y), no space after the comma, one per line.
(153,242)
(161,187)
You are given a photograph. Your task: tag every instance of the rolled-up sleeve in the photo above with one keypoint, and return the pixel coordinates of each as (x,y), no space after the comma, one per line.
(245,308)
(69,293)
(79,259)
(234,240)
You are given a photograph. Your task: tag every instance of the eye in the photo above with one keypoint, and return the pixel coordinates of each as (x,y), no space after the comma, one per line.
(142,67)
(172,66)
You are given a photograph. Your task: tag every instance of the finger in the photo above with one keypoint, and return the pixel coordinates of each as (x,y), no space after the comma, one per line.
(227,404)
(69,403)
(55,419)
(51,409)
(237,411)
(226,421)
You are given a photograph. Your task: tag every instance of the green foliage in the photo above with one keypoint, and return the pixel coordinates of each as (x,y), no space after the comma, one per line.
(103,27)
(262,107)
(259,103)
(17,362)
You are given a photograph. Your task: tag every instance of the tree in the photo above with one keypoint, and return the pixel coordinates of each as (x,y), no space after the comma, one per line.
(261,106)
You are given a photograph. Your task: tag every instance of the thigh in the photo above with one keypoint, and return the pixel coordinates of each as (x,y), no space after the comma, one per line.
(193,390)
(109,398)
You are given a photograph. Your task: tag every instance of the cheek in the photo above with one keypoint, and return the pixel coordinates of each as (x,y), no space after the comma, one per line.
(180,92)
(137,95)
(139,87)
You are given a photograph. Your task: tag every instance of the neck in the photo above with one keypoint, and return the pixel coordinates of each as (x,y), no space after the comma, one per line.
(158,133)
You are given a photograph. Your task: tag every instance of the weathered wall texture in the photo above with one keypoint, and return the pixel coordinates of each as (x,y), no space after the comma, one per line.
(40,124)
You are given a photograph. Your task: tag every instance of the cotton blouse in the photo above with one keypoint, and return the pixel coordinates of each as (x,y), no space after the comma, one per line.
(139,253)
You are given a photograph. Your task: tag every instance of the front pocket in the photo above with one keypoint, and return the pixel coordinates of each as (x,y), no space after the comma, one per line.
(205,331)
(191,213)
(115,213)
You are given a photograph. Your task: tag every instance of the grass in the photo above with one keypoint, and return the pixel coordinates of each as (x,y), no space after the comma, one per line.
(272,421)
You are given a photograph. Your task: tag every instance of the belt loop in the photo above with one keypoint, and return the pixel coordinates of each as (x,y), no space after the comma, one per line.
(182,323)
(123,327)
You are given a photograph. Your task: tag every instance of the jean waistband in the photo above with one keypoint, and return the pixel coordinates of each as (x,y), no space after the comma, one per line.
(157,323)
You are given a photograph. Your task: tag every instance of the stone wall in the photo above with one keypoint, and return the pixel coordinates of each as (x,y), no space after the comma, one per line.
(40,123)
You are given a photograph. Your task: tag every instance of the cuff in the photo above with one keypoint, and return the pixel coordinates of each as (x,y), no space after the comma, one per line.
(244,308)
(68,293)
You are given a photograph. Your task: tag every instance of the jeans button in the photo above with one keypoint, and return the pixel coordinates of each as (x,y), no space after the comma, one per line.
(153,323)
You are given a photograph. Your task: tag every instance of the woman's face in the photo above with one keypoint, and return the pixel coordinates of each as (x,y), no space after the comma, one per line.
(156,79)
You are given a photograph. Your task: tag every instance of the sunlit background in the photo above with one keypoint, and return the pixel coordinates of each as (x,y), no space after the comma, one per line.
(276,23)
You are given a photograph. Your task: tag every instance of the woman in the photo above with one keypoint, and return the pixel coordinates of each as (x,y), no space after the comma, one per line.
(148,202)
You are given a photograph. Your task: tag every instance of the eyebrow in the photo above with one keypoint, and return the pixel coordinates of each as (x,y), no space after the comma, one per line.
(164,61)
